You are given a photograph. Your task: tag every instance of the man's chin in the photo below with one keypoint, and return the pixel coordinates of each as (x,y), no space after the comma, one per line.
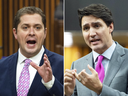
(96,48)
(31,51)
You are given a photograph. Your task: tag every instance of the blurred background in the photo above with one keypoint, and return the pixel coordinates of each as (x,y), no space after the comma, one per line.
(53,10)
(74,45)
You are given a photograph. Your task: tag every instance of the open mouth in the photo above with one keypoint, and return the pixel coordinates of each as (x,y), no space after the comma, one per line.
(95,40)
(31,42)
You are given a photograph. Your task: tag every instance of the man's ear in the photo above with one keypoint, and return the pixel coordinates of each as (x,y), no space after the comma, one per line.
(15,33)
(45,33)
(111,27)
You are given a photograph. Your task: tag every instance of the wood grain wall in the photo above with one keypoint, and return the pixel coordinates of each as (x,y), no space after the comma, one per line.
(1,50)
(8,11)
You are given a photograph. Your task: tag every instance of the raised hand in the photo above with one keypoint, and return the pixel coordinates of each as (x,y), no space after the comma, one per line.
(45,70)
(69,82)
(90,81)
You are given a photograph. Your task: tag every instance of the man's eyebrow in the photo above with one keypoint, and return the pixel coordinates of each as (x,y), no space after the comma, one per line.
(29,25)
(25,24)
(95,22)
(37,25)
(85,24)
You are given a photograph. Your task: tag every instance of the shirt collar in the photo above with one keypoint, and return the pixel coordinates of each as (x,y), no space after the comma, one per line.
(107,54)
(36,59)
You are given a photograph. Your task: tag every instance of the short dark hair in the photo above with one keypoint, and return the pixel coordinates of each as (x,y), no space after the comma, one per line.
(28,10)
(98,11)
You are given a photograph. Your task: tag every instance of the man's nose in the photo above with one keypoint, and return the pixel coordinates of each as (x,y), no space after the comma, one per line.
(31,31)
(92,32)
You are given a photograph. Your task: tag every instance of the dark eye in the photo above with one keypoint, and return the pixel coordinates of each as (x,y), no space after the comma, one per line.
(38,28)
(25,27)
(97,26)
(85,28)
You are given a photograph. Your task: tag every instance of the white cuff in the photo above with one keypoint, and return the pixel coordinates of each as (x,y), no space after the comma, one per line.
(49,84)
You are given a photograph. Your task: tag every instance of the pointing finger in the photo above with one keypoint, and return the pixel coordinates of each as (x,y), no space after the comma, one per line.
(91,69)
(34,65)
(46,57)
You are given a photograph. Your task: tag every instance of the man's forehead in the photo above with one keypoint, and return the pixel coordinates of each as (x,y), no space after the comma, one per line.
(31,19)
(92,23)
(87,21)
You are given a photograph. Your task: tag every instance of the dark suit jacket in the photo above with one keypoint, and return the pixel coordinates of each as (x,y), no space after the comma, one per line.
(8,76)
(116,79)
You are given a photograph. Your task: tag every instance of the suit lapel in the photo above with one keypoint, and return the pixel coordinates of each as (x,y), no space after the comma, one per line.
(90,61)
(115,63)
(35,84)
(37,79)
(12,72)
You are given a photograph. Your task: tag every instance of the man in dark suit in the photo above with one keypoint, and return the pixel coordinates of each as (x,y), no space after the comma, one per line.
(45,69)
(96,76)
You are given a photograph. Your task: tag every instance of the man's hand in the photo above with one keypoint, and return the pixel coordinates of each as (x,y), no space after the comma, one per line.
(45,70)
(90,81)
(69,82)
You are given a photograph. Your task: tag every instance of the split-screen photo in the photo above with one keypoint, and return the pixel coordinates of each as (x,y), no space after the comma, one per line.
(63,48)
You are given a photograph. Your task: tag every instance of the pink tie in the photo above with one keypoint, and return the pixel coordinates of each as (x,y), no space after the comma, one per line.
(24,80)
(100,68)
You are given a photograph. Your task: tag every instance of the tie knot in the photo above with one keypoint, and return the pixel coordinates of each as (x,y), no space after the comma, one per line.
(100,58)
(27,62)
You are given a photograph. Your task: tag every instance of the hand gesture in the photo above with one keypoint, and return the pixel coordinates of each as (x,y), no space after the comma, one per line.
(90,81)
(45,70)
(69,82)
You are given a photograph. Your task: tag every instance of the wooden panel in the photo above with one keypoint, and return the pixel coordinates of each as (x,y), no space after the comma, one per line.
(47,24)
(1,53)
(5,29)
(20,4)
(15,45)
(58,36)
(58,33)
(31,2)
(10,27)
(42,5)
(26,2)
(52,24)
(37,3)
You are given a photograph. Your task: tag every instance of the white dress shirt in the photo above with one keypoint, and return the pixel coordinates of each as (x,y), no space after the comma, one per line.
(36,59)
(107,56)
